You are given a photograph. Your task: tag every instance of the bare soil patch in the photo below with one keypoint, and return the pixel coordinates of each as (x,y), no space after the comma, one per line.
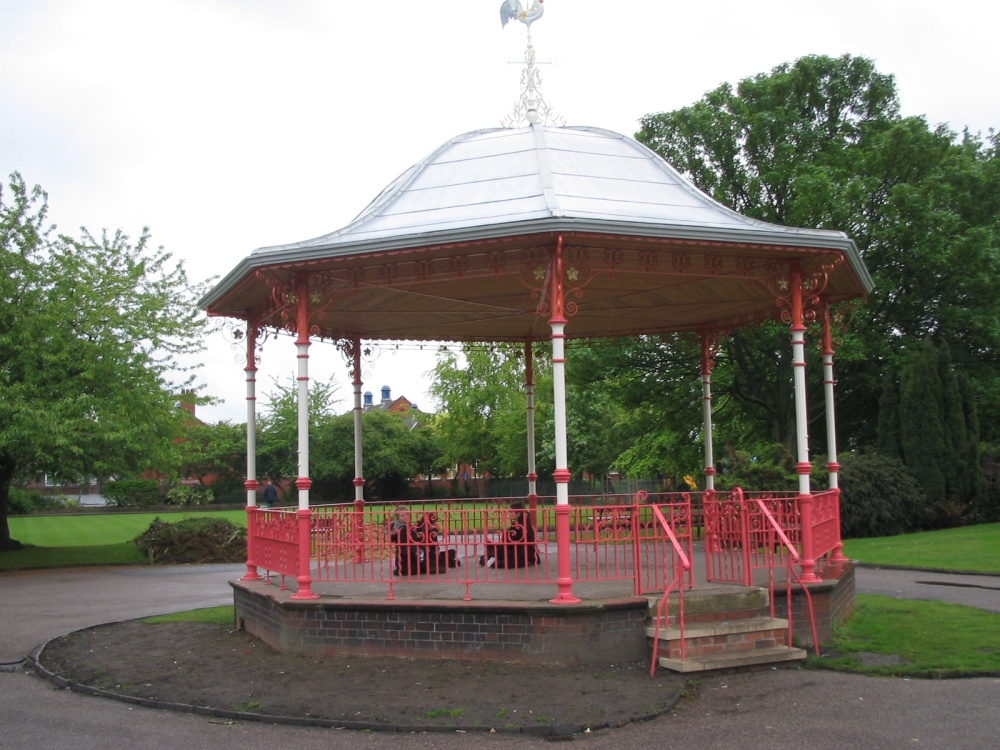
(199,664)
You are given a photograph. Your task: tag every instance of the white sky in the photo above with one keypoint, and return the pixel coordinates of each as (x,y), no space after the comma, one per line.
(227,125)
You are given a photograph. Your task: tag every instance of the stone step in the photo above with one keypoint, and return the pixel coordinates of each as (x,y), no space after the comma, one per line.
(715,629)
(733,660)
(717,603)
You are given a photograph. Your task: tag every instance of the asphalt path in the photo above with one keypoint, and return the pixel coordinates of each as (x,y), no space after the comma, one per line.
(772,709)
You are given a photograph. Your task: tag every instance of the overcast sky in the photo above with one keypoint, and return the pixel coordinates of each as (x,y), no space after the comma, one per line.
(227,125)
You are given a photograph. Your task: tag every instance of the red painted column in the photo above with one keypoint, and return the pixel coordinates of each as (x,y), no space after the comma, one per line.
(359,481)
(252,573)
(529,389)
(803,467)
(558,321)
(832,466)
(707,364)
(303,482)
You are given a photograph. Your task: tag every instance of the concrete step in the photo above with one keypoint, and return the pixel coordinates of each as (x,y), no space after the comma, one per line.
(714,629)
(717,603)
(733,660)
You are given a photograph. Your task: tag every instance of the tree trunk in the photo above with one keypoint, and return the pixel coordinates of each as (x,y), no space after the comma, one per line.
(7,467)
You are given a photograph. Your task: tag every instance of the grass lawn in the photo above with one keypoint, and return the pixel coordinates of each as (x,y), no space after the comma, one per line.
(89,538)
(90,529)
(225,615)
(969,548)
(908,638)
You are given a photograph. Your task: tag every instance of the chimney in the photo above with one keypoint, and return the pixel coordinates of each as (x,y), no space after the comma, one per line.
(188,401)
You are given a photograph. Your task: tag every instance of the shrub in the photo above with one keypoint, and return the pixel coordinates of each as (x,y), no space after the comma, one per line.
(770,468)
(186,494)
(987,508)
(128,492)
(27,501)
(880,498)
(193,540)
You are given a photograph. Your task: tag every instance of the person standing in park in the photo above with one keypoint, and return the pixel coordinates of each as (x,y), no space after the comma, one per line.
(270,494)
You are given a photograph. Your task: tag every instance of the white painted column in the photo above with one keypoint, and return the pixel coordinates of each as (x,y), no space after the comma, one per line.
(706,400)
(251,377)
(561,475)
(359,482)
(302,346)
(251,480)
(832,465)
(803,467)
(303,483)
(529,387)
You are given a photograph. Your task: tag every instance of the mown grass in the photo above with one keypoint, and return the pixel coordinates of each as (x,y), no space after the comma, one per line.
(225,615)
(969,548)
(90,529)
(63,541)
(32,557)
(908,638)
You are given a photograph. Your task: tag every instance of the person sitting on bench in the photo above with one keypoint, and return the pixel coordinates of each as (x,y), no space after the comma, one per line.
(427,534)
(416,544)
(516,548)
(407,560)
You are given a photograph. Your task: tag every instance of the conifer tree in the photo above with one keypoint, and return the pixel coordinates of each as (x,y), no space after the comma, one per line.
(922,434)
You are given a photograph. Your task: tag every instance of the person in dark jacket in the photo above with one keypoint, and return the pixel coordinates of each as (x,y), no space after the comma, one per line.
(517,545)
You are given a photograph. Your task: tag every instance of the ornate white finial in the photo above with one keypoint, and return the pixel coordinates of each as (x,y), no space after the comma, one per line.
(531,107)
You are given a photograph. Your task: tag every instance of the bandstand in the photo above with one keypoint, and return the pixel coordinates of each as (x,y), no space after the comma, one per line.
(526,234)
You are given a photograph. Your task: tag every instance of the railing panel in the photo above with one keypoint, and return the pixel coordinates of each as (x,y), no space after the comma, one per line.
(826,522)
(725,548)
(276,541)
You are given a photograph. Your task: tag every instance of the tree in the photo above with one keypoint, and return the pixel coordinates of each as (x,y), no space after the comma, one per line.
(394,450)
(929,422)
(90,334)
(215,454)
(278,426)
(820,143)
(483,407)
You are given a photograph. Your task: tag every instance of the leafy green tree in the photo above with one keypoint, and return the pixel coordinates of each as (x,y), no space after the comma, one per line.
(278,426)
(394,449)
(215,454)
(820,143)
(483,419)
(91,330)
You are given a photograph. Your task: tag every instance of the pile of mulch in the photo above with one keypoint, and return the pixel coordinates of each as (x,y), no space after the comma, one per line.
(229,673)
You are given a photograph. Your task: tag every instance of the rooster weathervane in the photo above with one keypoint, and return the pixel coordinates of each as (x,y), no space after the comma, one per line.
(512,9)
(531,107)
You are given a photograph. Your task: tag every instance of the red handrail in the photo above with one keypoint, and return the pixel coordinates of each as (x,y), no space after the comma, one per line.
(662,610)
(793,557)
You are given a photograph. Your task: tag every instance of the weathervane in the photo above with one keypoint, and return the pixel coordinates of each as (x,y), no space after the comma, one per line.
(531,107)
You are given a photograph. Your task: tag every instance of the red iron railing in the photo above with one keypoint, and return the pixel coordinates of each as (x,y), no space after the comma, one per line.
(737,541)
(450,543)
(778,544)
(681,563)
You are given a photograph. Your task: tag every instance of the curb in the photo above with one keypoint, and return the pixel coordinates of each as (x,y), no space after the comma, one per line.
(552,732)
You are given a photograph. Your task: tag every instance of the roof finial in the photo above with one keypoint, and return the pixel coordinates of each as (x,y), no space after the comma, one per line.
(531,107)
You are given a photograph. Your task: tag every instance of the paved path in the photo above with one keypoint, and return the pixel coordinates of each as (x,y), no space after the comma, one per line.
(971,590)
(774,709)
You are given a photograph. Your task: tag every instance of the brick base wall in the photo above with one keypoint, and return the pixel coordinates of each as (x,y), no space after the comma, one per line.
(833,603)
(609,631)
